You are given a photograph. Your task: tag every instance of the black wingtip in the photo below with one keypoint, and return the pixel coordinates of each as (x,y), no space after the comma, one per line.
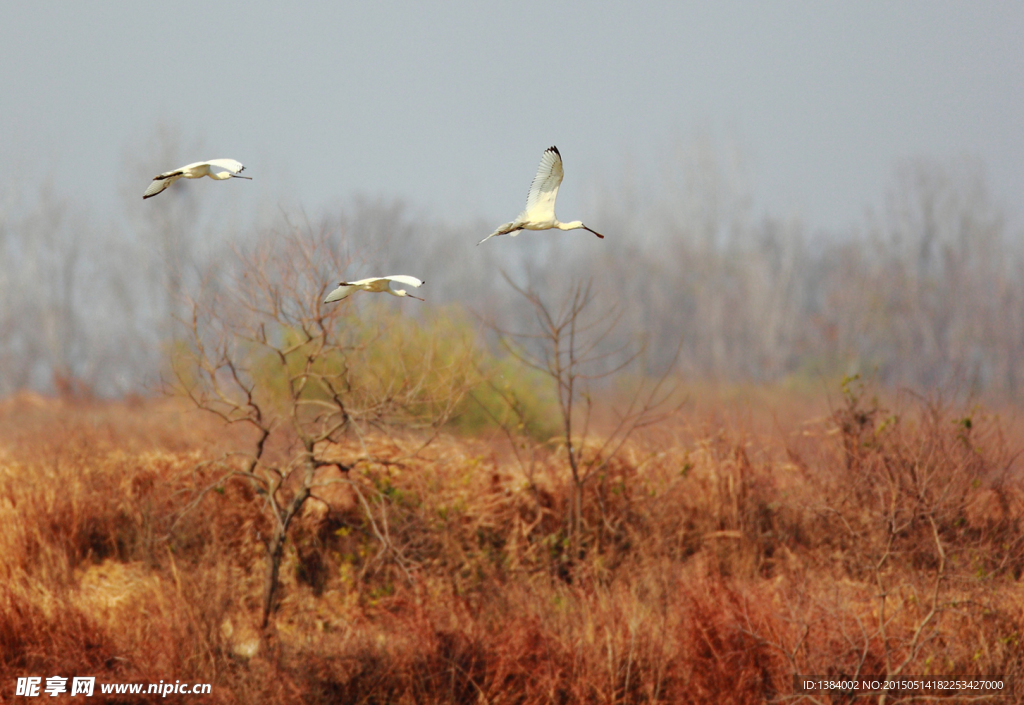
(554,149)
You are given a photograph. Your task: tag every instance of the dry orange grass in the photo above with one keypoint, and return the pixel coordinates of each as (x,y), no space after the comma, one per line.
(725,551)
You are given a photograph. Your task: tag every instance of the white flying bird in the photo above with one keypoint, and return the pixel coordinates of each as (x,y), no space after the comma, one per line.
(376,284)
(196,171)
(539,213)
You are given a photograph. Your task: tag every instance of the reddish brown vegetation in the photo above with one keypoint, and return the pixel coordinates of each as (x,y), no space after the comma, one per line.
(720,559)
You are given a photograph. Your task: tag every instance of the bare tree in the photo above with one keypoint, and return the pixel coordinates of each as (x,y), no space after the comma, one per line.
(568,345)
(264,352)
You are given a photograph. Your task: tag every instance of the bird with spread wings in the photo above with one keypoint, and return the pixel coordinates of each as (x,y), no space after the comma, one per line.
(229,170)
(539,213)
(376,285)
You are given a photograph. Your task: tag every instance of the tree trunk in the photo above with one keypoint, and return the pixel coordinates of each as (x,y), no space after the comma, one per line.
(576,520)
(275,551)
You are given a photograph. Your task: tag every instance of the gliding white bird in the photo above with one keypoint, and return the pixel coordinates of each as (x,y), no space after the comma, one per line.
(374,284)
(539,213)
(196,171)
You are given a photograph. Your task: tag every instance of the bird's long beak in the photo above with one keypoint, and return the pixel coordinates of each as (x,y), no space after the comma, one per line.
(236,176)
(414,297)
(594,231)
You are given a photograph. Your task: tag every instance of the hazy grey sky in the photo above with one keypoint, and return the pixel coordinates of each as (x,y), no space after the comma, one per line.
(451,104)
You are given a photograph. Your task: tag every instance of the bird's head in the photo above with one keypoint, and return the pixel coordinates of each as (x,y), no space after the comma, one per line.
(578,225)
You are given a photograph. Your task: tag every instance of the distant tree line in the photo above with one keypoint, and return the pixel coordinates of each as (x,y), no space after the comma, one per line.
(927,291)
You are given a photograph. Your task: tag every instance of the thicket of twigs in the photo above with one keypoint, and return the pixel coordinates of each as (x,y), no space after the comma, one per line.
(718,556)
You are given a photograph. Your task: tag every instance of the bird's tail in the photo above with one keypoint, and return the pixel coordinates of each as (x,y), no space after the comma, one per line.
(507,227)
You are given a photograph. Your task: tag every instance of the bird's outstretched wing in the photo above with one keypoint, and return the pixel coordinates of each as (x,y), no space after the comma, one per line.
(231,165)
(158,184)
(540,203)
(364,282)
(404,279)
(340,293)
(162,181)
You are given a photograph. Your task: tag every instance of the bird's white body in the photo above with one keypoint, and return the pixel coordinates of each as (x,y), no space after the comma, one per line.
(218,169)
(539,213)
(374,284)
